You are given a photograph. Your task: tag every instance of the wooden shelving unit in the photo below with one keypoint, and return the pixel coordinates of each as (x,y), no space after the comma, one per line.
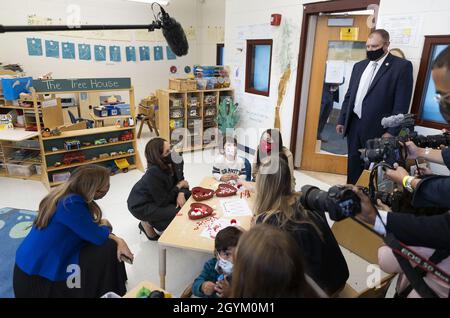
(195,123)
(121,148)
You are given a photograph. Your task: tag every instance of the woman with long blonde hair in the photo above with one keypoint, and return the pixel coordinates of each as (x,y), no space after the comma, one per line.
(278,204)
(70,250)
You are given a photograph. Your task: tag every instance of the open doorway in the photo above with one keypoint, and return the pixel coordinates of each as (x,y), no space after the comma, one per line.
(332,41)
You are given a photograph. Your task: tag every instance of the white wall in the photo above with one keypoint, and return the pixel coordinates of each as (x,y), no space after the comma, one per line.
(211,29)
(259,111)
(147,76)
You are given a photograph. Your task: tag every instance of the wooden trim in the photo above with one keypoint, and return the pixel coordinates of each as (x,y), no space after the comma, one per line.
(249,66)
(309,10)
(417,106)
(218,47)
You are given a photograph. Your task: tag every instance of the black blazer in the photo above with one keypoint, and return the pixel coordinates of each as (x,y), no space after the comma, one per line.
(389,94)
(324,261)
(426,231)
(156,188)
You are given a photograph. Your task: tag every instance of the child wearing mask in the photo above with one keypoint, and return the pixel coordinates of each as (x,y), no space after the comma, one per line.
(270,142)
(209,284)
(228,166)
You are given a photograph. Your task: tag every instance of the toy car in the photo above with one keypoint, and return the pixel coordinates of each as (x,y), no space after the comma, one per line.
(103,155)
(112,154)
(86,144)
(72,144)
(101,141)
(73,156)
(126,136)
(113,139)
(57,164)
(130,151)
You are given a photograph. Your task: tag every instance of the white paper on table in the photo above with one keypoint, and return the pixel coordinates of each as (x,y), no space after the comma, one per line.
(335,71)
(235,207)
(212,229)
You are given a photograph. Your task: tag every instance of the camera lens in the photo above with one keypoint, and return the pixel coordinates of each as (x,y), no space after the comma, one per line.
(313,198)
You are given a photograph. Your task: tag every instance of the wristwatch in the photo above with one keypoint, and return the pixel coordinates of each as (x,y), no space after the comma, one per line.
(407,183)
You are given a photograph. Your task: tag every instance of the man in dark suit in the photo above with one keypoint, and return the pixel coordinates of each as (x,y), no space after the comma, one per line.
(380,86)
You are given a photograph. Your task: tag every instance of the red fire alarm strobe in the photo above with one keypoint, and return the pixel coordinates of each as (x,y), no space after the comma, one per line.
(275,19)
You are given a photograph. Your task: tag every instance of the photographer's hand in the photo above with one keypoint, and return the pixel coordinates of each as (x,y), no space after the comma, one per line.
(368,212)
(397,174)
(414,152)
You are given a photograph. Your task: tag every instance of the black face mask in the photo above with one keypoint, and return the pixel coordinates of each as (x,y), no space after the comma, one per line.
(444,108)
(167,159)
(375,55)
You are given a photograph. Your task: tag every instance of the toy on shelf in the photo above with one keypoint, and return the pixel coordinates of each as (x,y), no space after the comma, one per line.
(130,151)
(200,194)
(122,164)
(54,149)
(86,144)
(126,136)
(71,157)
(210,111)
(177,113)
(57,164)
(104,155)
(113,139)
(72,144)
(113,154)
(176,102)
(176,123)
(101,141)
(100,111)
(225,190)
(199,211)
(193,112)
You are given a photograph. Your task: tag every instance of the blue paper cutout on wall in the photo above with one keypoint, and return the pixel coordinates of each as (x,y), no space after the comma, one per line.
(84,52)
(158,53)
(131,53)
(144,53)
(170,54)
(114,54)
(52,48)
(100,52)
(34,47)
(68,50)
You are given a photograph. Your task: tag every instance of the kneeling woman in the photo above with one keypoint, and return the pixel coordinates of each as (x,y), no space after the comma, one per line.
(70,250)
(161,192)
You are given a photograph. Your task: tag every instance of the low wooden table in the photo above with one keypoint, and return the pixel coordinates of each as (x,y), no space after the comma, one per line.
(181,232)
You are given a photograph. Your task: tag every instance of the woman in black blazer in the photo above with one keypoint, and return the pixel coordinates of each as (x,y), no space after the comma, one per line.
(277,204)
(161,192)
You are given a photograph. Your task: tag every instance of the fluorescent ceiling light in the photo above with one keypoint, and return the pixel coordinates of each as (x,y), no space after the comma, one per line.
(161,2)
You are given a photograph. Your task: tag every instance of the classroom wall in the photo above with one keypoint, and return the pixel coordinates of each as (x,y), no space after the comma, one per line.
(251,19)
(147,76)
(211,29)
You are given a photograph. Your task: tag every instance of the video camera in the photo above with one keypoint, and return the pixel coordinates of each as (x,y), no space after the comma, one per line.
(391,150)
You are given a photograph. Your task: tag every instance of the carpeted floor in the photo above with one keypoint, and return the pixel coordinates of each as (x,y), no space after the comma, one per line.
(15,224)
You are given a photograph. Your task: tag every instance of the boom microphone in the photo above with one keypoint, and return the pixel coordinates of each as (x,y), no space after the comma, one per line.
(398,120)
(174,34)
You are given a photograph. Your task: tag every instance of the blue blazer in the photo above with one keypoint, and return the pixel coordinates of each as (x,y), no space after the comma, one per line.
(389,94)
(49,251)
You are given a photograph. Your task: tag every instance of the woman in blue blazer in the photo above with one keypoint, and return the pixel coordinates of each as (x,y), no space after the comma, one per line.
(70,250)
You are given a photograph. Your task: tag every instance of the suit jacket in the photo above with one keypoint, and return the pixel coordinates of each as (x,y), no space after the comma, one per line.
(389,94)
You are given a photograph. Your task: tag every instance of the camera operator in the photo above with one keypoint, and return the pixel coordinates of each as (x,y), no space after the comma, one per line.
(426,231)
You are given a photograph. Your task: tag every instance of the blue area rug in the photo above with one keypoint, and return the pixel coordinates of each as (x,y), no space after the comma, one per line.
(15,224)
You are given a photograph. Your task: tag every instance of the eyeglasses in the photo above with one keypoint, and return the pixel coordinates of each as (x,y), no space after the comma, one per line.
(441,99)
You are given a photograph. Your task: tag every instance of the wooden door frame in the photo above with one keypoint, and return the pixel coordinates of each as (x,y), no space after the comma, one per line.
(309,10)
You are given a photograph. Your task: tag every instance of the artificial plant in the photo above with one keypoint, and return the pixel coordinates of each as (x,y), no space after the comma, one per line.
(228,115)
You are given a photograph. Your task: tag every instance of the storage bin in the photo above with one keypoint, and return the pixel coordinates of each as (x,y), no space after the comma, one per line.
(20,170)
(182,84)
(28,143)
(112,110)
(123,109)
(100,112)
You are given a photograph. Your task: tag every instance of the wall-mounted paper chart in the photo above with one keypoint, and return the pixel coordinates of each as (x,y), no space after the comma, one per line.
(84,52)
(68,50)
(170,54)
(100,52)
(34,47)
(130,53)
(144,53)
(51,48)
(158,53)
(114,53)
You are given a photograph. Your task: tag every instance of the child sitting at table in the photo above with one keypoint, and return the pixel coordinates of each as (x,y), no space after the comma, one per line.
(228,166)
(220,267)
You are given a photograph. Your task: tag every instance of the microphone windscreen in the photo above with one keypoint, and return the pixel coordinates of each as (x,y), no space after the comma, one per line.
(175,36)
